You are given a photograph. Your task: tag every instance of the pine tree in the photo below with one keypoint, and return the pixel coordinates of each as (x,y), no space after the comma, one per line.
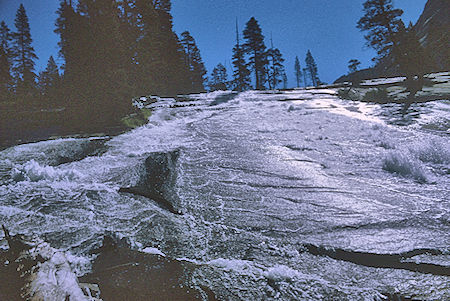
(241,73)
(410,56)
(285,81)
(145,46)
(6,80)
(194,62)
(353,65)
(219,78)
(5,40)
(23,54)
(5,76)
(381,21)
(388,36)
(311,66)
(255,47)
(275,67)
(107,91)
(298,71)
(49,79)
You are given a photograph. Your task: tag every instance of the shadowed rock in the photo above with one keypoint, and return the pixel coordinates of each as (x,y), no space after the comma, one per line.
(159,180)
(125,274)
(390,261)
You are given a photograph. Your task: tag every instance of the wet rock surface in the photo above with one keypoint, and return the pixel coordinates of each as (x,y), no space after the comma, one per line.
(158,181)
(125,274)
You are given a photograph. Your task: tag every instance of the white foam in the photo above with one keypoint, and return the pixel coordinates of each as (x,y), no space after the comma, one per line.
(404,164)
(153,251)
(433,151)
(54,279)
(282,273)
(32,171)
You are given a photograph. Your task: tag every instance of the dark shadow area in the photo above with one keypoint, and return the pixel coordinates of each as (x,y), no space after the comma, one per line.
(389,261)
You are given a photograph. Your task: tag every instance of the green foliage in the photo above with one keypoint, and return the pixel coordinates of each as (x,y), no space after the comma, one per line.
(23,55)
(381,21)
(311,66)
(49,80)
(136,119)
(378,95)
(241,72)
(5,76)
(219,78)
(256,49)
(298,71)
(275,68)
(353,65)
(194,62)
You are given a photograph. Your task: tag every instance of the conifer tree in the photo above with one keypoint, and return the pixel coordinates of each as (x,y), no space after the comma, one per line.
(5,39)
(66,29)
(275,67)
(23,54)
(6,80)
(255,47)
(49,79)
(146,44)
(410,55)
(5,76)
(353,65)
(381,21)
(219,78)
(311,66)
(285,81)
(107,91)
(388,36)
(194,62)
(172,52)
(298,71)
(241,73)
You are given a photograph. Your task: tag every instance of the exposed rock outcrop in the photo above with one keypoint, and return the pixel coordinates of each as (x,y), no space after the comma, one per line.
(158,182)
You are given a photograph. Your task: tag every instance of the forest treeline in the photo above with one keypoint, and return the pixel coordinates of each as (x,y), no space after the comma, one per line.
(116,50)
(255,66)
(112,52)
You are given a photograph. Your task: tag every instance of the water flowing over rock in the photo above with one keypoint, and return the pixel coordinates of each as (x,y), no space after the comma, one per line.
(293,195)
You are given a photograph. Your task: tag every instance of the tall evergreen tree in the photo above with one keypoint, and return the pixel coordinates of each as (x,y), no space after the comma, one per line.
(255,47)
(146,42)
(275,67)
(5,76)
(66,28)
(410,56)
(6,80)
(388,36)
(241,73)
(298,71)
(49,79)
(194,62)
(172,52)
(5,40)
(381,21)
(311,66)
(285,81)
(219,78)
(23,53)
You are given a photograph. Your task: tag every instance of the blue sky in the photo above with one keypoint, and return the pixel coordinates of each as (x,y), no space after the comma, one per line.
(326,27)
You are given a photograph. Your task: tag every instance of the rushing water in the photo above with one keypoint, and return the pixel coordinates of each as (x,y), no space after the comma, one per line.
(285,196)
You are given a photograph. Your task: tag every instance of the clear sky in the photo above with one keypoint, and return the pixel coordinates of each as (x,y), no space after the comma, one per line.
(326,27)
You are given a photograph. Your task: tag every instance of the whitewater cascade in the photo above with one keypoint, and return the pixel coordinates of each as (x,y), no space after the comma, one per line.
(293,195)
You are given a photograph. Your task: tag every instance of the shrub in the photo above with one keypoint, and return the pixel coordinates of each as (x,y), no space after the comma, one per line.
(379,95)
